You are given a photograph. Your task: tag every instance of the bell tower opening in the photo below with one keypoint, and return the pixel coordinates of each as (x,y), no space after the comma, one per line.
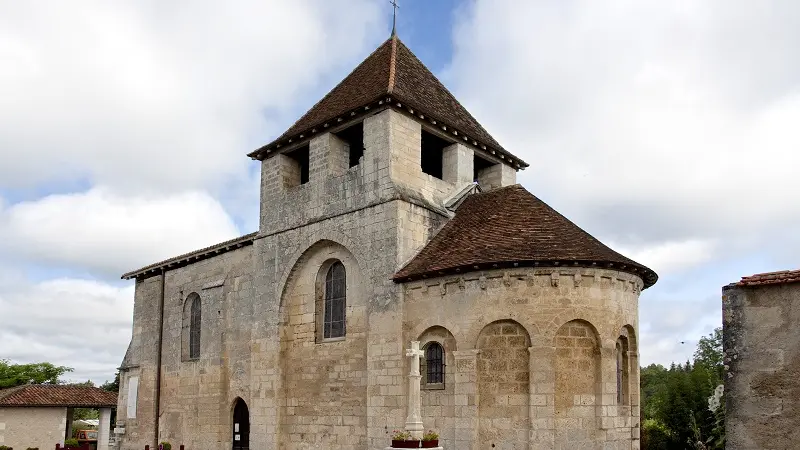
(432,153)
(300,160)
(353,137)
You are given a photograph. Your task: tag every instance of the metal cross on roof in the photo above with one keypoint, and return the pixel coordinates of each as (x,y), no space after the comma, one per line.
(394,15)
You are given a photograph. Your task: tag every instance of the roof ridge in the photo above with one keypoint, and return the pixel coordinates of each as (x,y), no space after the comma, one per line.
(392,63)
(326,96)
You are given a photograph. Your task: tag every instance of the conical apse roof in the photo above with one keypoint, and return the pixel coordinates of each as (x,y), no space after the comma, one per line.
(509,226)
(391,71)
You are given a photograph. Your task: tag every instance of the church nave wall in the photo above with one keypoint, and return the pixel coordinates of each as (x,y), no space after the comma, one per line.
(194,388)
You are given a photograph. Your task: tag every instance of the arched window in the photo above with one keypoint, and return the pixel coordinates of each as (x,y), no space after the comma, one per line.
(622,370)
(434,363)
(194,328)
(335,301)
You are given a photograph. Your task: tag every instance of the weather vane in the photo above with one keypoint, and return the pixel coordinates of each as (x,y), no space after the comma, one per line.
(394,15)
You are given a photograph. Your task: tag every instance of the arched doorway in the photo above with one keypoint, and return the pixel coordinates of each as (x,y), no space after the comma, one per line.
(241,426)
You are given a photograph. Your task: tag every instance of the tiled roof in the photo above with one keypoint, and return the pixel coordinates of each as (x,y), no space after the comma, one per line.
(192,257)
(781,277)
(392,70)
(57,395)
(509,226)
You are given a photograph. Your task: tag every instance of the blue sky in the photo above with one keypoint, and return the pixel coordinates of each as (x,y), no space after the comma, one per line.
(124,130)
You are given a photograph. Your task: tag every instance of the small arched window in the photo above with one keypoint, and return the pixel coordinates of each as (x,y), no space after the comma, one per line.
(335,301)
(622,370)
(194,328)
(434,363)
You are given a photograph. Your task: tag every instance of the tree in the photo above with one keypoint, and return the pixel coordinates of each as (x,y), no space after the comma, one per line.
(709,353)
(111,386)
(676,407)
(37,373)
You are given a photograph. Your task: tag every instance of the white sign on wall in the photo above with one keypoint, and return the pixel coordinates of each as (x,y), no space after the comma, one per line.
(133,392)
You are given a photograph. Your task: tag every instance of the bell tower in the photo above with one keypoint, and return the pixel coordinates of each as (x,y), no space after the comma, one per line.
(389,130)
(365,178)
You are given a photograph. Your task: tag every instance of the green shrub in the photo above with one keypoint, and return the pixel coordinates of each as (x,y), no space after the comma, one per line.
(71,443)
(166,445)
(32,448)
(5,447)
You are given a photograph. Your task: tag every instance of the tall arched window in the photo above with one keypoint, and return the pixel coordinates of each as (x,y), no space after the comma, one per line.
(622,370)
(335,301)
(194,328)
(434,363)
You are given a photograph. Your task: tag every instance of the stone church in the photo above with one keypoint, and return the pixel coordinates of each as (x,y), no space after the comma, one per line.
(388,215)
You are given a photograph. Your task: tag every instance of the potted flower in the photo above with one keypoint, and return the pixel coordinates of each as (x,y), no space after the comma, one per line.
(403,439)
(430,439)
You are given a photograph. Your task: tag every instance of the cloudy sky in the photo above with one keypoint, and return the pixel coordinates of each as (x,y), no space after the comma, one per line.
(666,129)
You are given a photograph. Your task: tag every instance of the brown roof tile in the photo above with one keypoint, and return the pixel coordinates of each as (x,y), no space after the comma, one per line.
(509,225)
(57,395)
(781,277)
(391,70)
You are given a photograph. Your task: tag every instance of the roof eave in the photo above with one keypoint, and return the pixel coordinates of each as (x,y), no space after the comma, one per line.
(192,257)
(648,276)
(383,102)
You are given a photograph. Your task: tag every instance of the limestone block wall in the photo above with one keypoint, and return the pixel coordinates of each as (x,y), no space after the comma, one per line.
(196,394)
(762,362)
(32,427)
(504,385)
(535,352)
(362,375)
(323,399)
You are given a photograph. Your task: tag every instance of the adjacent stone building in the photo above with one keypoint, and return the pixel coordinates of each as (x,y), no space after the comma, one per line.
(40,415)
(388,214)
(761,341)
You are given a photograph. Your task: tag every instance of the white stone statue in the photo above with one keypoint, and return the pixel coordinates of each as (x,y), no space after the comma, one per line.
(414,417)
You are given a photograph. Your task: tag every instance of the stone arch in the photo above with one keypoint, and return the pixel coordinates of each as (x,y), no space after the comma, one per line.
(186,326)
(488,317)
(314,240)
(591,318)
(630,333)
(578,382)
(312,397)
(445,338)
(431,323)
(503,384)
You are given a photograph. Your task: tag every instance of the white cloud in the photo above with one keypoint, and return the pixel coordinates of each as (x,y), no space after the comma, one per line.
(669,257)
(82,324)
(670,326)
(110,233)
(160,95)
(649,121)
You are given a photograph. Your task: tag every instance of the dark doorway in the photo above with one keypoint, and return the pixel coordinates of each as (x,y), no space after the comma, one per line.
(241,426)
